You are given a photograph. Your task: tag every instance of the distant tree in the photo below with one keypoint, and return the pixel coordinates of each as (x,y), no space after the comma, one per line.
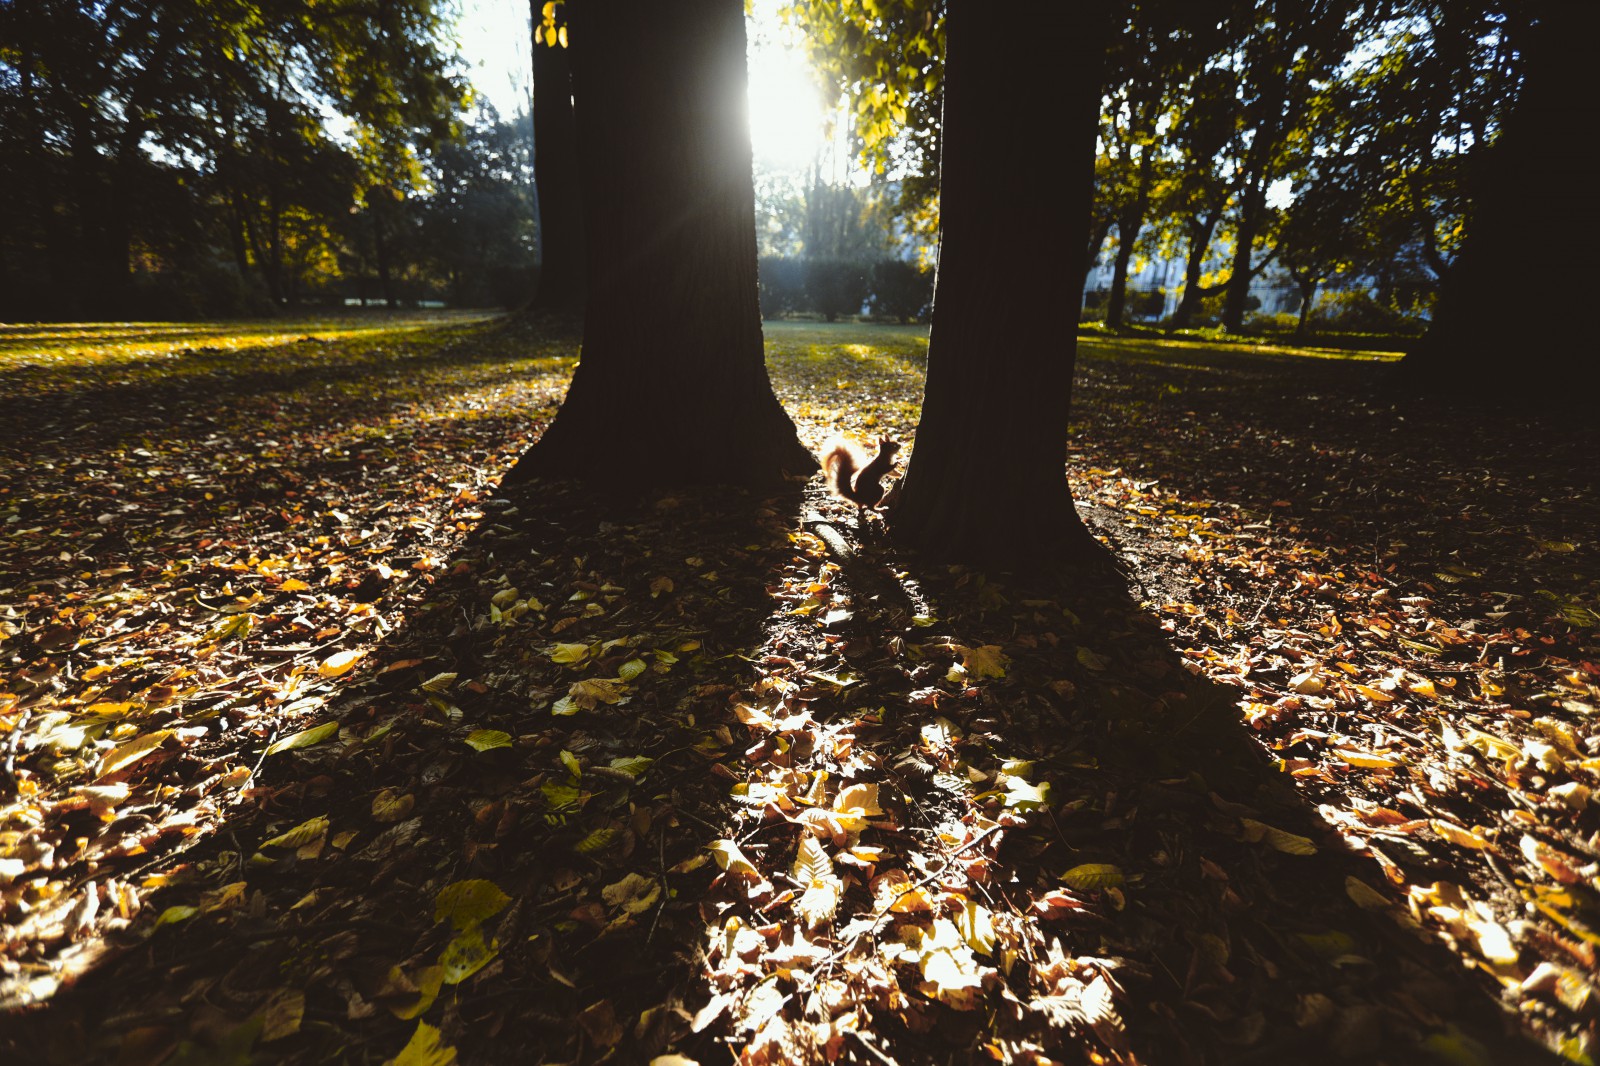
(672,386)
(477,217)
(987,480)
(1288,51)
(1324,233)
(1510,319)
(95,98)
(1194,202)
(885,61)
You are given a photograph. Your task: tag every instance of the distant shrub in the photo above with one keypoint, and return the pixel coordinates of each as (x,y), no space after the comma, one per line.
(901,291)
(216,291)
(1259,324)
(1355,311)
(835,287)
(1145,303)
(781,282)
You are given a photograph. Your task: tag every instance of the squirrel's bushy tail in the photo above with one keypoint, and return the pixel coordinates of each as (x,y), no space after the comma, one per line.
(839,467)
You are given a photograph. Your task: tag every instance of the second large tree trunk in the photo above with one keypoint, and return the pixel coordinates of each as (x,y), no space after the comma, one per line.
(987,482)
(672,383)
(1511,318)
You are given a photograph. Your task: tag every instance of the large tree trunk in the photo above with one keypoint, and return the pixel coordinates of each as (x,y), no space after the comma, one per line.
(672,385)
(987,482)
(557,185)
(1511,318)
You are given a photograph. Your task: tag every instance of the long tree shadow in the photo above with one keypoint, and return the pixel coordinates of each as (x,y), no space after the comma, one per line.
(1198,882)
(545,724)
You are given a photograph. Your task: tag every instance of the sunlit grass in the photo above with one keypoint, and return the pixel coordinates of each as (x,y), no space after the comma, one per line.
(58,344)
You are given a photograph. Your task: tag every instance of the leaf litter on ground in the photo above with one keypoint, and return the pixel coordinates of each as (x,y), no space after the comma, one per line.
(693,776)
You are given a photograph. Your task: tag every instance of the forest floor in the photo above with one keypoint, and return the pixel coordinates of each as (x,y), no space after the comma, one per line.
(316,747)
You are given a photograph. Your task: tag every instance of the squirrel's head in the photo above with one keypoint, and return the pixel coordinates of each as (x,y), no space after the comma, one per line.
(887,445)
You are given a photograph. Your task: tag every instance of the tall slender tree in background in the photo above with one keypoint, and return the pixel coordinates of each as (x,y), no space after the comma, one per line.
(672,385)
(562,273)
(1509,318)
(987,481)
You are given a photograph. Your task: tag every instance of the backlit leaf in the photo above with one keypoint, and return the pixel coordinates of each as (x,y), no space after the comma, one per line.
(339,663)
(466,903)
(304,739)
(425,1048)
(488,739)
(1093,876)
(125,755)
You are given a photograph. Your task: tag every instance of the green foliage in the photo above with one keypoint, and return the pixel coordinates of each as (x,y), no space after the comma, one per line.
(781,282)
(145,141)
(1356,311)
(835,287)
(901,290)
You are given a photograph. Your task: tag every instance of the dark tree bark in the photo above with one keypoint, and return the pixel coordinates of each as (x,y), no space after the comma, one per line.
(557,185)
(1200,230)
(1511,318)
(672,385)
(987,482)
(1308,293)
(1236,294)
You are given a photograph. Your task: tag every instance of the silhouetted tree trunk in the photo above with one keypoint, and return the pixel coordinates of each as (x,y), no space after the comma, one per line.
(1236,294)
(558,188)
(1200,230)
(672,384)
(987,482)
(1511,315)
(1308,293)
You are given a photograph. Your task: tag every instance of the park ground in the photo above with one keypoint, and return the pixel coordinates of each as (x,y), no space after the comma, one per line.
(315,746)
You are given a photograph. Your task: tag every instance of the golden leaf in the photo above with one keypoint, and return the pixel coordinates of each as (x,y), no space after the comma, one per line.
(339,663)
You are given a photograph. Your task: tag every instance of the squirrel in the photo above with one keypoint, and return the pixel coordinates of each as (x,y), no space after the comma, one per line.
(858,483)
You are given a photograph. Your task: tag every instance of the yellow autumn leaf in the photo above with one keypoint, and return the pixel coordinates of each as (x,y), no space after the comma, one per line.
(282,1015)
(488,739)
(467,903)
(304,739)
(466,954)
(731,859)
(293,584)
(392,806)
(593,690)
(1465,838)
(425,1048)
(1278,839)
(985,661)
(634,894)
(1093,876)
(125,755)
(300,835)
(1364,895)
(860,800)
(1368,761)
(339,663)
(568,653)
